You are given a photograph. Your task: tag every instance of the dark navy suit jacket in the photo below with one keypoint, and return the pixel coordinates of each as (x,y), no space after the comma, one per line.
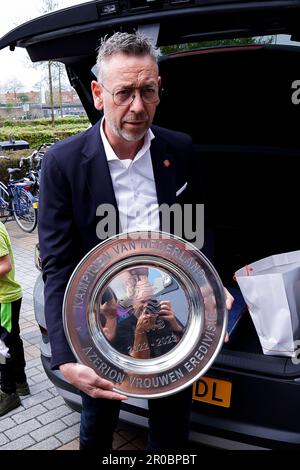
(75,181)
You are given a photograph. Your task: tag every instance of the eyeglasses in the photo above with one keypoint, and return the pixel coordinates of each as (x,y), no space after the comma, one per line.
(126,96)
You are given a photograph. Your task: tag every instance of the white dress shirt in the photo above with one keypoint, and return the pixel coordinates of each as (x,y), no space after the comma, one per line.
(134,186)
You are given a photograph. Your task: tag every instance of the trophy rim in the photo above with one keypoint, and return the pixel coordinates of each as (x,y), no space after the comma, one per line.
(161,364)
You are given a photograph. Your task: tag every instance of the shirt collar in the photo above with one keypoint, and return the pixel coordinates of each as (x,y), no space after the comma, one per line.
(110,154)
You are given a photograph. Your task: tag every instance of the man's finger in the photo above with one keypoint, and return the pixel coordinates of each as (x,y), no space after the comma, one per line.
(109,395)
(103,383)
(166,303)
(229,299)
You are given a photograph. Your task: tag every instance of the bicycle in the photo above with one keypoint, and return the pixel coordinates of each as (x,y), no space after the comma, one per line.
(20,197)
(17,201)
(32,174)
(34,163)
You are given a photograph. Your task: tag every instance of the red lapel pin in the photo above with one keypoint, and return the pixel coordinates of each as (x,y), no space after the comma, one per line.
(167,163)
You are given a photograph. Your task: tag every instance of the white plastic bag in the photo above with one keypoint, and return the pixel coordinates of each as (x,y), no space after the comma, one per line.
(271,289)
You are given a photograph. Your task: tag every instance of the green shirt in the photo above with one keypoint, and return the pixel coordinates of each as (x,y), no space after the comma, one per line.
(10,290)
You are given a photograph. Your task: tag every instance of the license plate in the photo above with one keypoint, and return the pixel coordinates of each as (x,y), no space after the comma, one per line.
(213,391)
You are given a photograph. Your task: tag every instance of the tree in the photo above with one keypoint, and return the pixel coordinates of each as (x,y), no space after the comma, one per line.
(55,77)
(13,86)
(60,77)
(60,89)
(48,6)
(9,106)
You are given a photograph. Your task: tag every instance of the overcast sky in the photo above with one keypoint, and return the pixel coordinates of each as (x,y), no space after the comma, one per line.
(16,64)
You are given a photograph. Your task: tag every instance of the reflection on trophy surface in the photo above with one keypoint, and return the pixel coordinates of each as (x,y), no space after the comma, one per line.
(142,324)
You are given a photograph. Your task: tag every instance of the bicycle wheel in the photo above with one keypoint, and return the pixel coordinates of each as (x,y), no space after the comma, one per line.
(4,205)
(25,214)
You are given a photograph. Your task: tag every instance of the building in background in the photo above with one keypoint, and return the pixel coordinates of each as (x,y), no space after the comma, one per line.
(34,104)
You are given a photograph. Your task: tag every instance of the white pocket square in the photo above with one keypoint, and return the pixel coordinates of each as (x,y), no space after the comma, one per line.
(181,189)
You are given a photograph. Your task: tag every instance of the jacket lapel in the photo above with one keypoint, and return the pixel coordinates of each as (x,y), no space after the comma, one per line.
(164,175)
(164,169)
(98,177)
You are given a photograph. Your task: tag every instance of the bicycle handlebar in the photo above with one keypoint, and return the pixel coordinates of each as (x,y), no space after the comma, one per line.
(36,154)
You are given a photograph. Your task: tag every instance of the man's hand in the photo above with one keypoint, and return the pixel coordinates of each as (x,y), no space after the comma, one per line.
(109,309)
(210,304)
(146,322)
(166,313)
(229,299)
(85,379)
(229,302)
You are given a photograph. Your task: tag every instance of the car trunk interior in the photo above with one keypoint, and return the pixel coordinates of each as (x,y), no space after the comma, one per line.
(236,103)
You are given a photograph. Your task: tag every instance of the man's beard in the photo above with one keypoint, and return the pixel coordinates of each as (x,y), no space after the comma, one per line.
(133,136)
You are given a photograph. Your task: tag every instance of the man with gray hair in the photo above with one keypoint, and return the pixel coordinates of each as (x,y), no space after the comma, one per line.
(125,162)
(127,91)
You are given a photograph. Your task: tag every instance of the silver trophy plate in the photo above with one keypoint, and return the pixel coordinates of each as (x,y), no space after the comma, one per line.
(147,311)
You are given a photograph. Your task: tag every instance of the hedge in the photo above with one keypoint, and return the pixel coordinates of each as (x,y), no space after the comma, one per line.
(38,135)
(45,122)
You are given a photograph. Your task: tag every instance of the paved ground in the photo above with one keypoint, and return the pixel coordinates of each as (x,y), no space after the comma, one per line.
(43,421)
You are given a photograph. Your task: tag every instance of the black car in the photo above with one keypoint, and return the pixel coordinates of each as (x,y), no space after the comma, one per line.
(230,83)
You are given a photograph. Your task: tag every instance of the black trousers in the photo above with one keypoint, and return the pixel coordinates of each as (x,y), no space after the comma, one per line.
(169,420)
(13,371)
